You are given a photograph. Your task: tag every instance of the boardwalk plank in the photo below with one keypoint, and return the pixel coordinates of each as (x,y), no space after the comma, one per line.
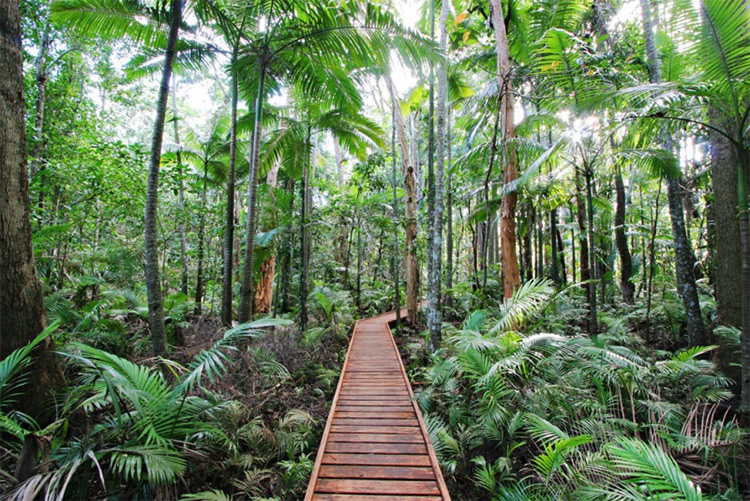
(375,446)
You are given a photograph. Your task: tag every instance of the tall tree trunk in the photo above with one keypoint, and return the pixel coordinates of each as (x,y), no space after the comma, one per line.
(484,226)
(582,235)
(264,288)
(22,313)
(627,288)
(228,254)
(555,268)
(305,236)
(589,177)
(180,197)
(743,178)
(449,214)
(201,244)
(511,277)
(410,194)
(286,264)
(153,287)
(434,297)
(684,257)
(40,74)
(395,262)
(726,227)
(246,294)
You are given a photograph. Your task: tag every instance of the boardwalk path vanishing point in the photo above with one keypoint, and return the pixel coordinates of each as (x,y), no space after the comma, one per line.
(375,445)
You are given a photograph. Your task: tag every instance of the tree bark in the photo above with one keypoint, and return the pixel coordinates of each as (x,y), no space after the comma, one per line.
(228,254)
(511,277)
(410,194)
(201,244)
(246,294)
(627,288)
(684,257)
(396,265)
(264,288)
(305,236)
(434,297)
(180,197)
(726,228)
(449,214)
(589,176)
(22,313)
(153,287)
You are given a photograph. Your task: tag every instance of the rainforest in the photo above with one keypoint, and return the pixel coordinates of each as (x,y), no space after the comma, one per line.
(387,250)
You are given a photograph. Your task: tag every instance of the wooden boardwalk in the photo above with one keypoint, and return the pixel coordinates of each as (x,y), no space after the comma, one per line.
(375,445)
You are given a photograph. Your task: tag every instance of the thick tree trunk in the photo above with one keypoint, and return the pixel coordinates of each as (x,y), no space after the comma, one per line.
(22,313)
(627,288)
(743,178)
(511,277)
(434,297)
(153,286)
(410,194)
(726,228)
(246,294)
(228,254)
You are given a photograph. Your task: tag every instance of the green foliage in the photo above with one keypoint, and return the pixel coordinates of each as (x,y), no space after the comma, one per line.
(572,412)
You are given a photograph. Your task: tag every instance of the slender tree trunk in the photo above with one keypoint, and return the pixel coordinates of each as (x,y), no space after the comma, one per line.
(589,176)
(485,225)
(583,239)
(153,287)
(561,250)
(395,262)
(511,277)
(180,197)
(449,216)
(652,260)
(228,254)
(40,74)
(410,193)
(553,245)
(434,298)
(201,237)
(286,265)
(22,313)
(684,257)
(627,288)
(304,238)
(246,295)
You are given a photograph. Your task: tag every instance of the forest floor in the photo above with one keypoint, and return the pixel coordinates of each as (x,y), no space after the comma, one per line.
(307,383)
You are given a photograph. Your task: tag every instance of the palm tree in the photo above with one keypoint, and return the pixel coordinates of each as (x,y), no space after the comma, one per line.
(308,46)
(293,147)
(144,24)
